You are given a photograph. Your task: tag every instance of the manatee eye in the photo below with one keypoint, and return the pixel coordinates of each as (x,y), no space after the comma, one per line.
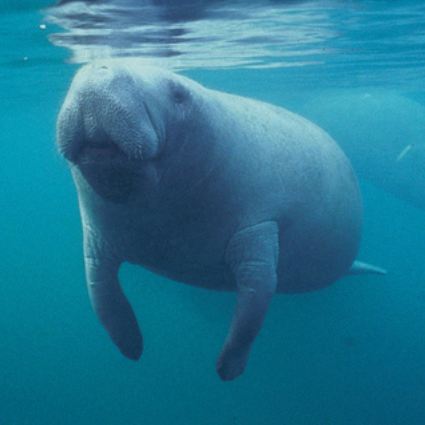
(178,92)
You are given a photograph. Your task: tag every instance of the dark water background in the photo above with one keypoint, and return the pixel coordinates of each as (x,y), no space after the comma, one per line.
(352,354)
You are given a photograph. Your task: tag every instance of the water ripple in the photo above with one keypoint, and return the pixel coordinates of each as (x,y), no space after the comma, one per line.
(210,35)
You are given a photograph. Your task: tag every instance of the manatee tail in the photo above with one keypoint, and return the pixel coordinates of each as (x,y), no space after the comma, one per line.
(358,267)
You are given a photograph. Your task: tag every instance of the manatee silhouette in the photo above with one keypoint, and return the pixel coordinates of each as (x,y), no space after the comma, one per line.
(383,135)
(205,188)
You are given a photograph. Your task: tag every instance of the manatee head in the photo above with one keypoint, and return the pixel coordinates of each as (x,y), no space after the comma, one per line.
(117,119)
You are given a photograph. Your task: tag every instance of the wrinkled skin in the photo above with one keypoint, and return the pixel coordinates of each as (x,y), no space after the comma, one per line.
(206,188)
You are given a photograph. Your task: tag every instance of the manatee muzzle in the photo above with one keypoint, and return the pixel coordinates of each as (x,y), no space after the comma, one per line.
(114,183)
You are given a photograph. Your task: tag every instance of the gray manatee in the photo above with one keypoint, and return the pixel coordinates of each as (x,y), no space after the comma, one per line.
(382,133)
(205,188)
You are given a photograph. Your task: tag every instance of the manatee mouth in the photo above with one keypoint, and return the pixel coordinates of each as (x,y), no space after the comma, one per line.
(113,183)
(110,179)
(107,169)
(102,152)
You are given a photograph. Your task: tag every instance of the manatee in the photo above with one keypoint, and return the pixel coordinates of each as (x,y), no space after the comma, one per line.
(383,134)
(204,188)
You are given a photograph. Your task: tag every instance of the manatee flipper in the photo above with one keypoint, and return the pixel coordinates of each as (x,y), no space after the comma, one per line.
(252,256)
(108,300)
(358,267)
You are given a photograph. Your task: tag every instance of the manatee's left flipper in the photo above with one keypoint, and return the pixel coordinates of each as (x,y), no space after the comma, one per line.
(252,256)
(108,299)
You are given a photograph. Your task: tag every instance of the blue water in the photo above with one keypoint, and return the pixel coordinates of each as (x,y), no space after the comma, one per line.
(352,354)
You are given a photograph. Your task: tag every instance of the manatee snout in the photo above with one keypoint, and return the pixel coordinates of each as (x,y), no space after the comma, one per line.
(104,119)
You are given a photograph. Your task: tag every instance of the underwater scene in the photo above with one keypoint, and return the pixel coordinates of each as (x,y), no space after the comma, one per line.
(217,215)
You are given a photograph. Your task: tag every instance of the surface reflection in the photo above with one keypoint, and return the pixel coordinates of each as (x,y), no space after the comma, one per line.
(186,34)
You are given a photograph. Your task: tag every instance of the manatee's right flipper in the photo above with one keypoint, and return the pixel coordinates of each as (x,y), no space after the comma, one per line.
(108,300)
(252,256)
(358,267)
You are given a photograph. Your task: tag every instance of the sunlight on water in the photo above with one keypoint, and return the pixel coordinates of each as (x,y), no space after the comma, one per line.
(257,34)
(237,34)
